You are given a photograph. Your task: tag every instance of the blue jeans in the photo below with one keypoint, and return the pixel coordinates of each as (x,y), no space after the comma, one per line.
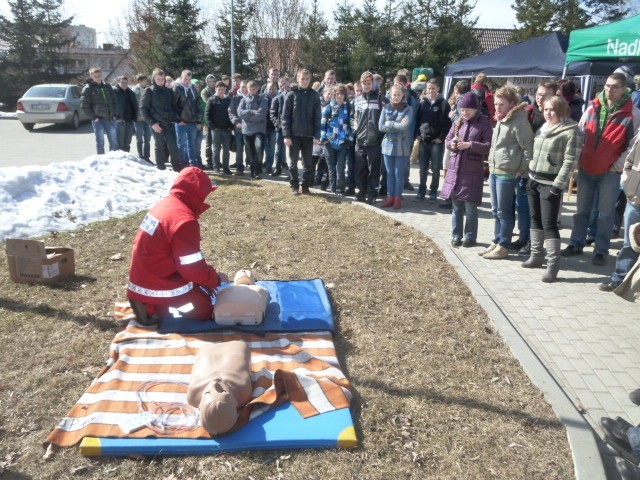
(269,150)
(199,137)
(111,129)
(396,168)
(143,139)
(221,138)
(627,257)
(522,207)
(255,151)
(430,153)
(187,135)
(280,151)
(336,161)
(503,193)
(467,211)
(607,188)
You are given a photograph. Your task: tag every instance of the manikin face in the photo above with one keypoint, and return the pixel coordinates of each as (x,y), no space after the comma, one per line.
(502,105)
(367,84)
(550,115)
(541,96)
(396,95)
(468,113)
(304,80)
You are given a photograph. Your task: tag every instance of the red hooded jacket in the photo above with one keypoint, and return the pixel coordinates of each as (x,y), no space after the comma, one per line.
(167,262)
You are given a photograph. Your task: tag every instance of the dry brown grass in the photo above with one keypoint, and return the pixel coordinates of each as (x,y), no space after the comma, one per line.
(437,393)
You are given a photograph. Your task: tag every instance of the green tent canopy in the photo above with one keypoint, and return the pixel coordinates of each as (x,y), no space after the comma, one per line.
(616,41)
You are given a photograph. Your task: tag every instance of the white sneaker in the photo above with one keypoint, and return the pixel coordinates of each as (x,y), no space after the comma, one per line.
(489,249)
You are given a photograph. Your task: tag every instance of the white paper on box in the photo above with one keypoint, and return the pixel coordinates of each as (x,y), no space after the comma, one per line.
(50,271)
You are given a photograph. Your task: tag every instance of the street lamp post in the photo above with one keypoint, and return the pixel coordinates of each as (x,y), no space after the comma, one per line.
(233,44)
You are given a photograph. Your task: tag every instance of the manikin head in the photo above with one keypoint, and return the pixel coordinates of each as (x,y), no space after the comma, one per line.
(218,408)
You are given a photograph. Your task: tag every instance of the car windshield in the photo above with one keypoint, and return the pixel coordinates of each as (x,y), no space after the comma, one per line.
(46,92)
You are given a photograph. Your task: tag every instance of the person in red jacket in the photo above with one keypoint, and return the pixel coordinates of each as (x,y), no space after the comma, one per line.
(609,124)
(169,275)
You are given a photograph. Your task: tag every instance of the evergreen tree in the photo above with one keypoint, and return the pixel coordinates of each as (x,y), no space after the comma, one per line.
(369,39)
(166,34)
(344,41)
(245,39)
(539,17)
(452,38)
(534,18)
(35,42)
(573,16)
(314,42)
(605,11)
(184,47)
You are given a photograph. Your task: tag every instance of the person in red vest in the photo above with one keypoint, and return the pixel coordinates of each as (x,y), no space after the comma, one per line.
(609,124)
(169,275)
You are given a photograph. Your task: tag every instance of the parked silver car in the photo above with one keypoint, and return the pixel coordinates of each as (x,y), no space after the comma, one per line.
(51,103)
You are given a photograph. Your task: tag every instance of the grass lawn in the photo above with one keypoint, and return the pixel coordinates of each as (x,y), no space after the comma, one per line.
(437,393)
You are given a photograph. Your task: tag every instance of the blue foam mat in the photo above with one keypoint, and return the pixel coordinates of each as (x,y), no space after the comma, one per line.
(282,427)
(294,306)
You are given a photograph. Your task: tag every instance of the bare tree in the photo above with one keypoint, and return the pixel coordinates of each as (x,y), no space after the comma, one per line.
(278,25)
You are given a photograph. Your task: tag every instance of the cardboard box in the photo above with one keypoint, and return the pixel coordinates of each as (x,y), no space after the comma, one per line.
(31,262)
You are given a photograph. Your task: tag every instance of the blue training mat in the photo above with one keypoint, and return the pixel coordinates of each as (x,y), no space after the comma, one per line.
(282,427)
(294,306)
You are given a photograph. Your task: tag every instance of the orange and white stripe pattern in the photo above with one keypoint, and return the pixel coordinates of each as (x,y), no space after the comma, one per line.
(299,367)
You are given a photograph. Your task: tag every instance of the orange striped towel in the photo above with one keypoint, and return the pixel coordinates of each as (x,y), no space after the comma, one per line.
(299,367)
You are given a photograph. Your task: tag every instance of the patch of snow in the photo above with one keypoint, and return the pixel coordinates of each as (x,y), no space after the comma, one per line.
(37,200)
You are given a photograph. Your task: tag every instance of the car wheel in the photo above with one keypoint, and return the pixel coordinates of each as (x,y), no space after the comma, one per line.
(75,121)
(28,126)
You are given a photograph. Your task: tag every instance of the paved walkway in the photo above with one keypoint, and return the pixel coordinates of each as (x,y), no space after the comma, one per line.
(586,340)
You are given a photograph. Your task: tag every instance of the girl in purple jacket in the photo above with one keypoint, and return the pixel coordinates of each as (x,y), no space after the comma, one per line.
(469,141)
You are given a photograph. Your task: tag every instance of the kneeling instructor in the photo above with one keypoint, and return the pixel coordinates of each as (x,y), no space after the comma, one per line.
(169,275)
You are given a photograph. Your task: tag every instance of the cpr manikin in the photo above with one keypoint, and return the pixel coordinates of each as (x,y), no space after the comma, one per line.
(243,303)
(220,384)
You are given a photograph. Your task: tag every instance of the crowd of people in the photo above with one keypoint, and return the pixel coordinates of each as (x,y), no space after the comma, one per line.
(357,139)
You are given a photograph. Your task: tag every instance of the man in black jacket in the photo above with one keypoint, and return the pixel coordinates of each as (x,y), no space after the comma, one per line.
(220,126)
(189,119)
(432,126)
(365,116)
(126,112)
(158,107)
(300,123)
(99,103)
